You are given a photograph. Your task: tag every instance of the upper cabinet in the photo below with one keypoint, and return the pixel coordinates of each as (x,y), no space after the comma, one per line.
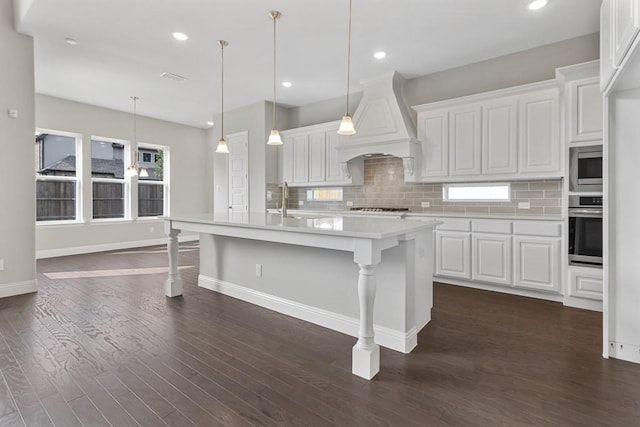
(505,134)
(585,112)
(619,28)
(309,158)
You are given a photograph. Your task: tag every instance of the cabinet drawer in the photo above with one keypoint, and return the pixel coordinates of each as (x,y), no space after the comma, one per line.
(586,284)
(455,224)
(500,227)
(537,228)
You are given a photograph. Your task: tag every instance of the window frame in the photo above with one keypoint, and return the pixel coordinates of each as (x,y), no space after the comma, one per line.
(446,186)
(79,217)
(165,179)
(125,180)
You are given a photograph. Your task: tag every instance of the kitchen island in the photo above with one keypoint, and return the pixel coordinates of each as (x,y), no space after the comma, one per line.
(306,267)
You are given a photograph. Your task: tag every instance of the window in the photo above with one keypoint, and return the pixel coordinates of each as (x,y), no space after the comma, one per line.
(152,185)
(57,167)
(482,192)
(325,194)
(107,178)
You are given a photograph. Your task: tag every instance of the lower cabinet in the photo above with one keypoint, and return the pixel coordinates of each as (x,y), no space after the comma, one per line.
(492,259)
(537,263)
(453,256)
(585,283)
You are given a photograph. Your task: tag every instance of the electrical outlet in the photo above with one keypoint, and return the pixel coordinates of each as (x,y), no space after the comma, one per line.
(349,203)
(425,204)
(1,264)
(152,229)
(524,205)
(258,270)
(300,202)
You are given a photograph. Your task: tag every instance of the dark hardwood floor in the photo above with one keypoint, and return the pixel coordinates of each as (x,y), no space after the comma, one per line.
(99,344)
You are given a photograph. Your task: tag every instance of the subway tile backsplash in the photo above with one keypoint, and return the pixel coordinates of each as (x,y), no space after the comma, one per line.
(384,186)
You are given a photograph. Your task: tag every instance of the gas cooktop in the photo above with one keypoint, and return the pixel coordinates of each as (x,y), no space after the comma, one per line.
(371,209)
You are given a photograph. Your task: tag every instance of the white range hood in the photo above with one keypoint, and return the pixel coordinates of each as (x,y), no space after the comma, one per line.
(383,124)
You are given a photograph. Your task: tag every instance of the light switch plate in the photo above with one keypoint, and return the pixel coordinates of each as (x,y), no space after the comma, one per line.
(524,205)
(300,202)
(349,203)
(12,113)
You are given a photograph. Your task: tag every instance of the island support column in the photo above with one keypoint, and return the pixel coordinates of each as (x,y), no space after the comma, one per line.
(173,284)
(365,355)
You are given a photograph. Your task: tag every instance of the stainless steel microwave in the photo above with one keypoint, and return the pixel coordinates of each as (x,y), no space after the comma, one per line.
(585,169)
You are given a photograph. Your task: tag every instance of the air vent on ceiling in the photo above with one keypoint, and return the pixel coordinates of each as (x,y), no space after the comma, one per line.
(174,77)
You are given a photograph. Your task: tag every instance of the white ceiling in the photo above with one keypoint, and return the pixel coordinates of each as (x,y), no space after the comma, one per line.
(124,46)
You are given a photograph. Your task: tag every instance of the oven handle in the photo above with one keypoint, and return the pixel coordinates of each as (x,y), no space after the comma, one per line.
(586,213)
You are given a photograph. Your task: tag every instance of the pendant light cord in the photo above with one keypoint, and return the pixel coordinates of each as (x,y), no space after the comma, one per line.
(275,18)
(348,56)
(222,89)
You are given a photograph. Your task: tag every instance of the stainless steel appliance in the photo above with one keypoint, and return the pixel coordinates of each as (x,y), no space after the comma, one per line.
(585,231)
(585,168)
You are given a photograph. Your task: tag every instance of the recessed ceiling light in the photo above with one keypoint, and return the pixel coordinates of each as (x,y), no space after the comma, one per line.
(71,41)
(210,123)
(379,55)
(180,36)
(287,84)
(537,4)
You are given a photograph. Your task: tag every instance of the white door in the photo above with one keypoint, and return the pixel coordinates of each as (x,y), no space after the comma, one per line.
(453,258)
(238,171)
(464,141)
(433,134)
(625,27)
(492,259)
(317,157)
(500,137)
(539,149)
(537,263)
(585,118)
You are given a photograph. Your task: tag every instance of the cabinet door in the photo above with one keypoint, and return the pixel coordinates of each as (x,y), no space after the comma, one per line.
(300,147)
(287,158)
(453,258)
(317,157)
(537,262)
(585,116)
(464,141)
(433,133)
(625,27)
(586,284)
(607,68)
(500,137)
(492,259)
(539,149)
(333,170)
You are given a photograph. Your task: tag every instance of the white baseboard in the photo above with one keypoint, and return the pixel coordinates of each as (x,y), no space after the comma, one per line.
(583,303)
(18,288)
(623,351)
(386,337)
(52,253)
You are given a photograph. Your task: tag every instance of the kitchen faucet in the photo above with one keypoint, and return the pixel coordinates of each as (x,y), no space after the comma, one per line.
(285,196)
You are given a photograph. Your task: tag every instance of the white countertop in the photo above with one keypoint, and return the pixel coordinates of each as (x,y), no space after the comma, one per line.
(373,227)
(409,215)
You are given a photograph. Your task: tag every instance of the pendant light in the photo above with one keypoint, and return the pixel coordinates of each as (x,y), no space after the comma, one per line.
(222,147)
(274,136)
(346,125)
(133,169)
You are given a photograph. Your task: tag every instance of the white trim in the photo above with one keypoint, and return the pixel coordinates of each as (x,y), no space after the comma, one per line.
(52,253)
(403,342)
(585,304)
(18,288)
(500,288)
(623,351)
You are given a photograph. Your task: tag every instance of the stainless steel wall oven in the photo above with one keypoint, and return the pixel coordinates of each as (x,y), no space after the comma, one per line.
(585,231)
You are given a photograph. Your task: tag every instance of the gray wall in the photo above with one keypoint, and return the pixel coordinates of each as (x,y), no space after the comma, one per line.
(189,187)
(17,163)
(519,68)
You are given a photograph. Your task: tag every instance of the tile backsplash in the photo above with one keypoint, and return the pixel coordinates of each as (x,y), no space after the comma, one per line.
(384,186)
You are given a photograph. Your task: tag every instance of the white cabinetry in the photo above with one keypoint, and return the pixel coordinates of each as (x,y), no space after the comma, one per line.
(492,259)
(506,134)
(500,137)
(585,283)
(625,27)
(539,133)
(309,157)
(464,141)
(453,256)
(537,263)
(607,68)
(585,113)
(433,132)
